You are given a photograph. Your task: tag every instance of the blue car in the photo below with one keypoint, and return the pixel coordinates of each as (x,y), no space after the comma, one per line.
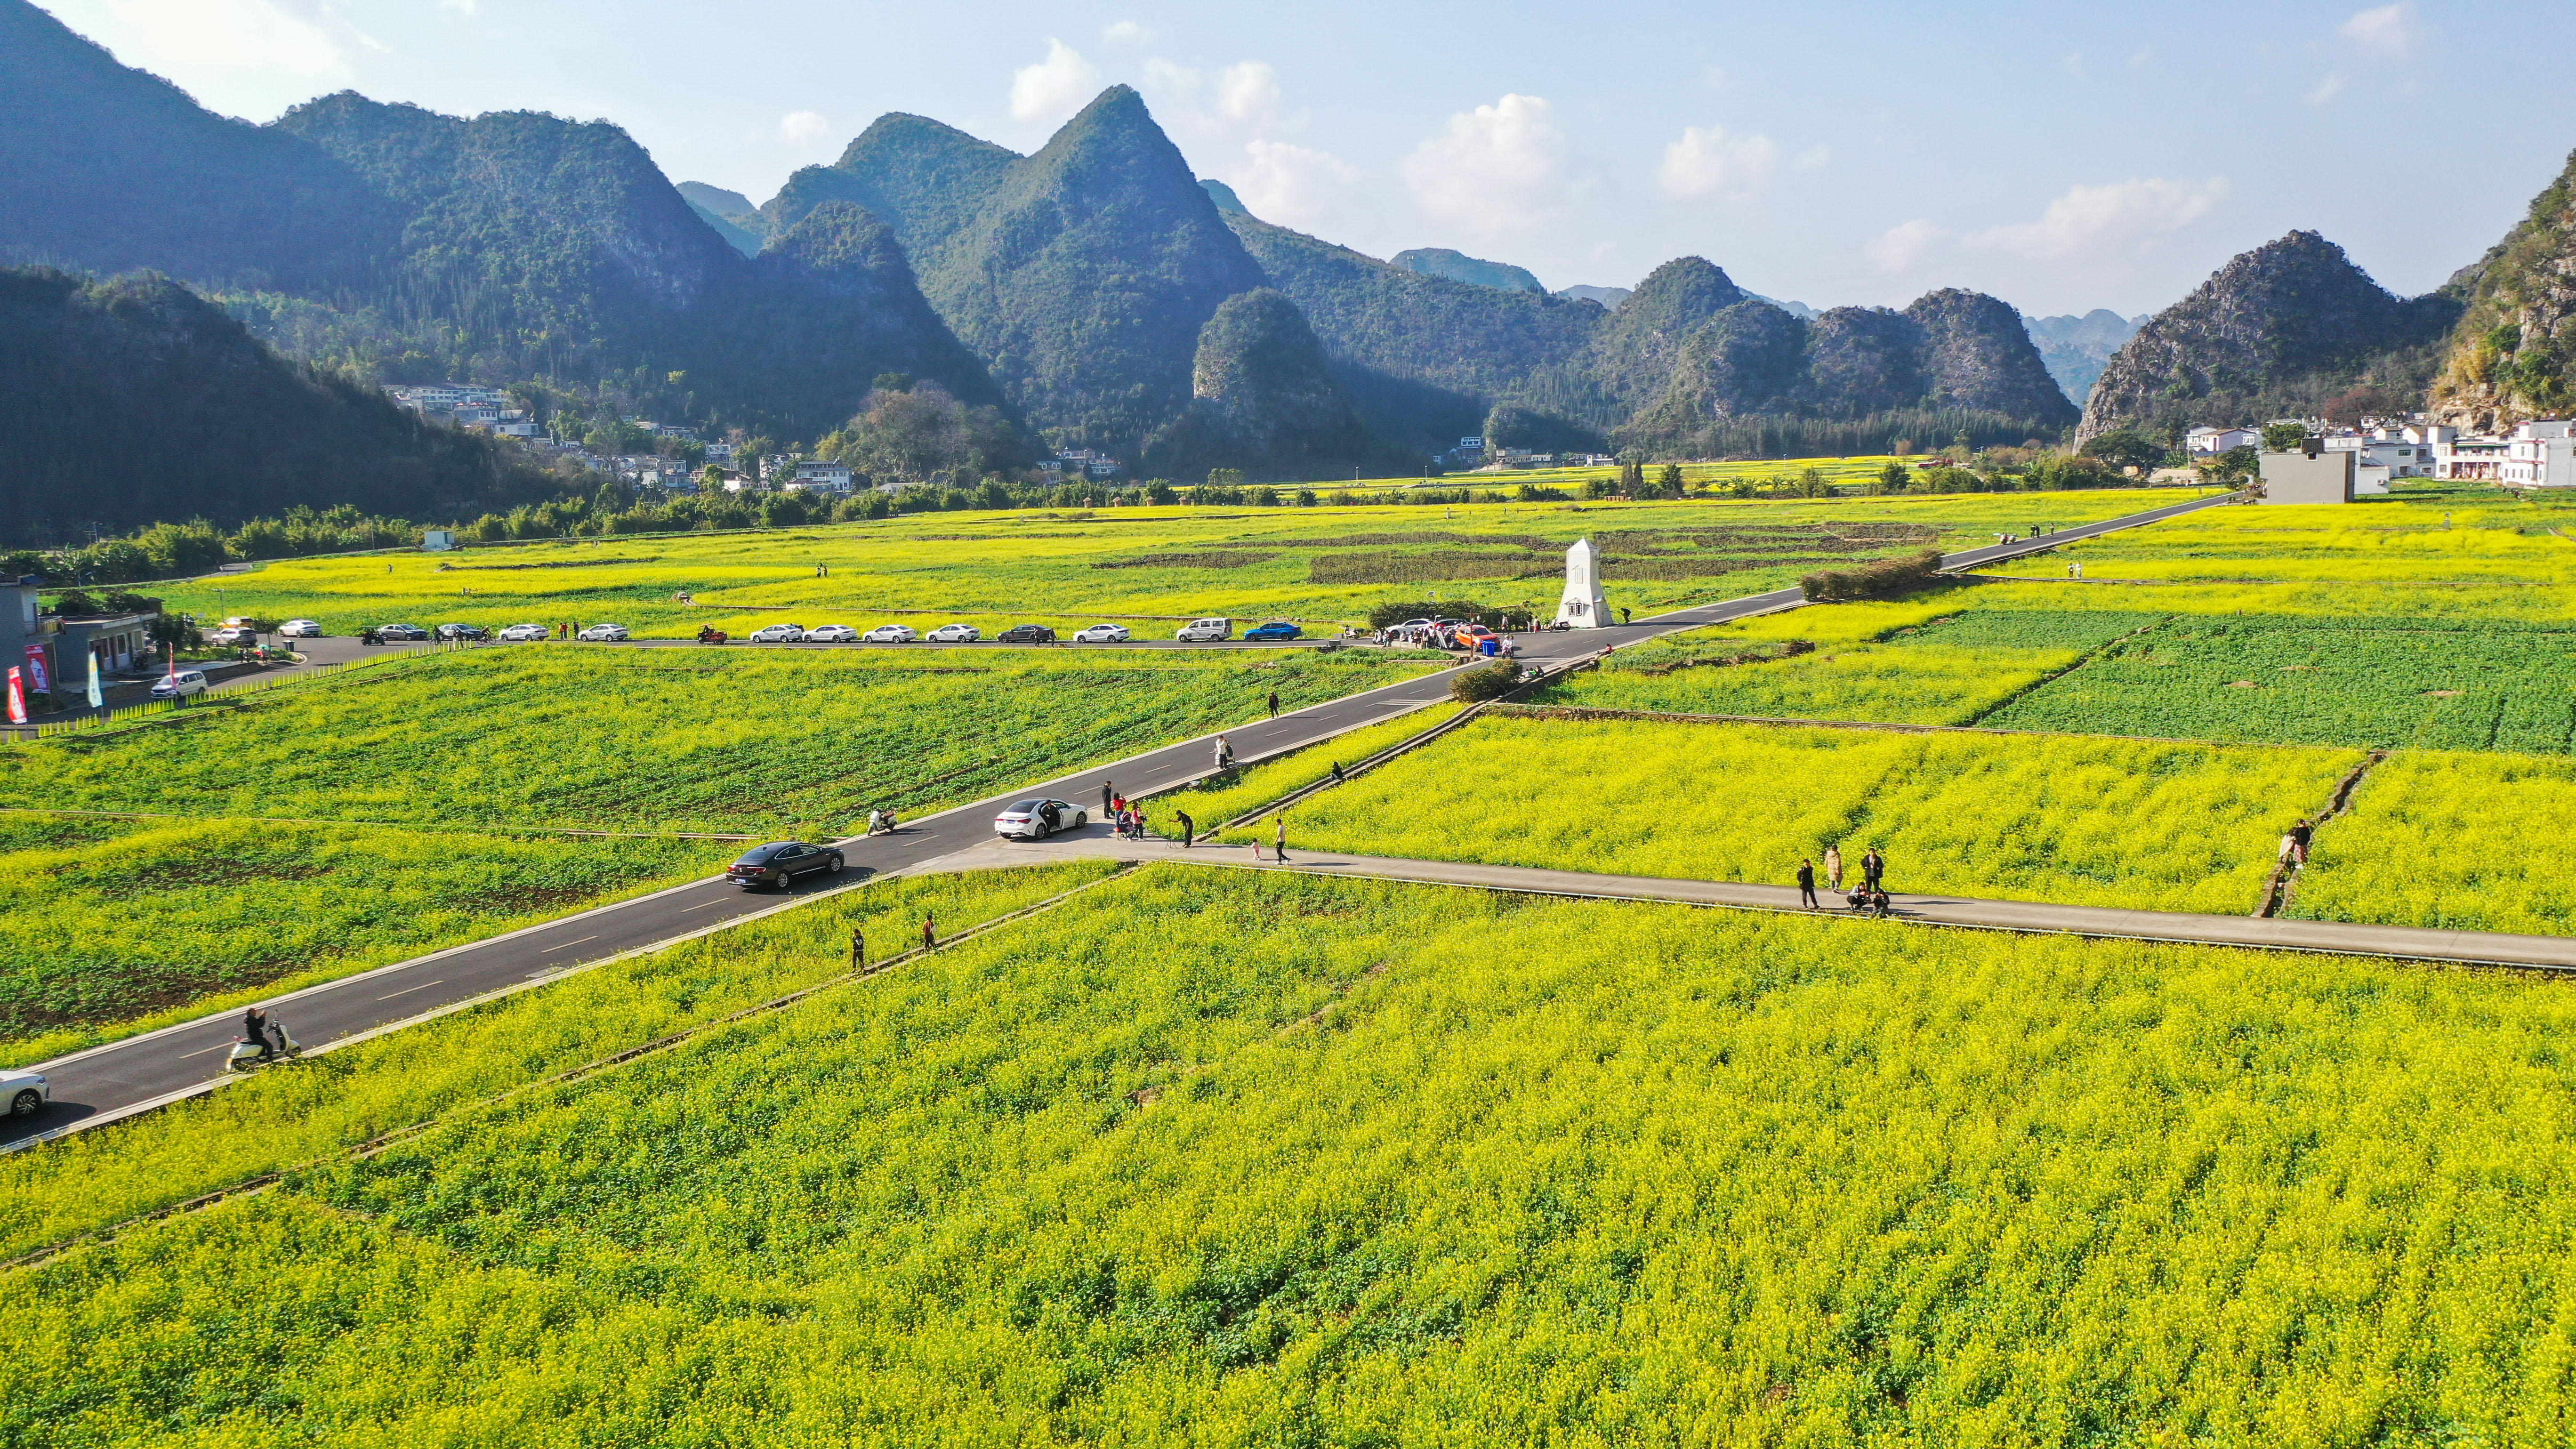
(1275,629)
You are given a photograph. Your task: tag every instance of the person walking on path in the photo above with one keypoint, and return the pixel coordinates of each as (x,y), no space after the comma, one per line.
(1623,613)
(1280,847)
(1834,868)
(929,929)
(2289,851)
(1873,868)
(858,952)
(1107,795)
(1274,704)
(1807,885)
(2301,833)
(1189,828)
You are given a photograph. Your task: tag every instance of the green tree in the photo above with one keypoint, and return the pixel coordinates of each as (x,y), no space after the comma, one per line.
(2284,437)
(2125,448)
(1669,480)
(1895,478)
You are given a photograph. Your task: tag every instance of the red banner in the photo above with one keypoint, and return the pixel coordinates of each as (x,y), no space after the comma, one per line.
(36,670)
(17,699)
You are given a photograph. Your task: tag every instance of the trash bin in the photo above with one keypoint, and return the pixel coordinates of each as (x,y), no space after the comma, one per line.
(1490,647)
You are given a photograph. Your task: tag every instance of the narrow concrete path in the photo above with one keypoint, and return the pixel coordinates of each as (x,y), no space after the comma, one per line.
(2482,948)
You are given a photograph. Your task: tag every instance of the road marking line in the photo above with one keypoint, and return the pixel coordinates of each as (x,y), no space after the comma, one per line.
(408,990)
(219,1046)
(700,906)
(566,946)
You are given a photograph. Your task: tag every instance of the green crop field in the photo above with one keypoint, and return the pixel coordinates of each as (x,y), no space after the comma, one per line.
(2073,819)
(1946,657)
(2440,684)
(278,858)
(1203,1158)
(1149,566)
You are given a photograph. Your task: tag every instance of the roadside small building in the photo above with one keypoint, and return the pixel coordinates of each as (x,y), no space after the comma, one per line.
(2540,454)
(438,540)
(2322,476)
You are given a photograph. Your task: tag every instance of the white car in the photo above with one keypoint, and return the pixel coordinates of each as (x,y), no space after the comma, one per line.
(1038,817)
(526,633)
(832,634)
(604,634)
(180,685)
(300,629)
(1102,634)
(954,634)
(1205,631)
(889,634)
(233,634)
(24,1092)
(778,634)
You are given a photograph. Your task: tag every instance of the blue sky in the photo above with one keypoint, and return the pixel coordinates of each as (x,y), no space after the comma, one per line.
(2061,157)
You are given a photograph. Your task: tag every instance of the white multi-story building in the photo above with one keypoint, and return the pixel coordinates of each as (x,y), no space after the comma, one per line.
(2540,454)
(2210,442)
(821,477)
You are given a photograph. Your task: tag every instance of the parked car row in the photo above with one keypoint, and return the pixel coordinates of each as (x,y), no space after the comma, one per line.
(1197,631)
(1447,634)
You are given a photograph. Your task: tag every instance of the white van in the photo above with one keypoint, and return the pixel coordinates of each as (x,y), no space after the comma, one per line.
(1205,631)
(180,685)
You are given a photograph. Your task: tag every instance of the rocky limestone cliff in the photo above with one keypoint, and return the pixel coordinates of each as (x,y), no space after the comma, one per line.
(2280,331)
(1977,354)
(2512,355)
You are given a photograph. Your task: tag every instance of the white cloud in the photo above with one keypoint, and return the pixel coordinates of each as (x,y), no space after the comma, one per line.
(1125,32)
(2091,224)
(1902,246)
(1293,185)
(2327,88)
(1813,157)
(1247,92)
(1712,163)
(803,128)
(295,37)
(1501,167)
(2388,32)
(1054,88)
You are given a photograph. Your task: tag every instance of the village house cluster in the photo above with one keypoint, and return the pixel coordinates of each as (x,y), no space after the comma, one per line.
(2340,464)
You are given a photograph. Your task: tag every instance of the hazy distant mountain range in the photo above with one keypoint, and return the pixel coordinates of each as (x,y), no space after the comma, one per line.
(1096,291)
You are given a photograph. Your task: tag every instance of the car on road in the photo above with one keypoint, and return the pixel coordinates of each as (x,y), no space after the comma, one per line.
(890,634)
(1205,631)
(401,633)
(300,629)
(1038,817)
(604,634)
(1102,634)
(1026,634)
(232,636)
(24,1092)
(474,633)
(954,634)
(1275,629)
(831,634)
(781,861)
(778,634)
(179,684)
(526,633)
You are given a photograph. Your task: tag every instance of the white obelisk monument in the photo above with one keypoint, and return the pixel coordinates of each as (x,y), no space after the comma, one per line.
(1584,606)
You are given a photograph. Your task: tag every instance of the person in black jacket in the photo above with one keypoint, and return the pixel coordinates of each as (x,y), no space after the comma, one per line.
(255,1028)
(1807,885)
(1873,867)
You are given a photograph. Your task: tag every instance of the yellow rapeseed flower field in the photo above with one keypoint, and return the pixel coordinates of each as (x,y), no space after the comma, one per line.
(1202,1158)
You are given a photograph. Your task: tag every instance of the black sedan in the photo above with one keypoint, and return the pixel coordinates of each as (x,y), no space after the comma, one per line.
(474,632)
(1026,634)
(781,861)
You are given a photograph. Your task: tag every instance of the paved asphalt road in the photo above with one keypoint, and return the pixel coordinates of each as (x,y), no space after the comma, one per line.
(137,1073)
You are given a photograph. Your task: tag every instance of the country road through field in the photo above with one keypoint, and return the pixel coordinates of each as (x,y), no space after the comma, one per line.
(120,1078)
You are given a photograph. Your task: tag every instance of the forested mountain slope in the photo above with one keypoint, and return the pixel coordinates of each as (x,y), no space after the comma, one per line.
(131,401)
(2512,355)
